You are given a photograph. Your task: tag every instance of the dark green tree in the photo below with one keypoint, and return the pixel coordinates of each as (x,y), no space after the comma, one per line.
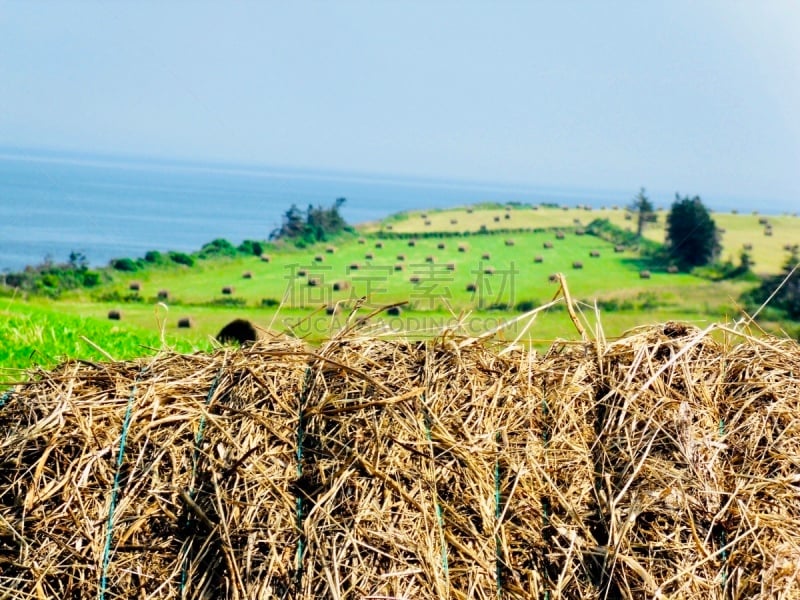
(644,211)
(314,225)
(692,236)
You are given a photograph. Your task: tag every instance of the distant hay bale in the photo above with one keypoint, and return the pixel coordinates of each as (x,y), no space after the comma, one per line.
(576,222)
(379,245)
(394,311)
(362,240)
(314,281)
(398,267)
(787,247)
(412,243)
(747,246)
(672,269)
(247,275)
(185,323)
(471,287)
(340,286)
(538,258)
(488,271)
(319,258)
(414,279)
(552,278)
(453,221)
(628,216)
(507,215)
(451,266)
(580,232)
(424,215)
(369,256)
(509,242)
(559,235)
(763,221)
(389,227)
(330,249)
(114,315)
(577,264)
(645,274)
(427,223)
(354,266)
(463,247)
(768,232)
(401,257)
(163,295)
(333,309)
(486,256)
(228,290)
(619,248)
(470,210)
(547,245)
(302,272)
(239,331)
(594,254)
(429,259)
(497,219)
(265,258)
(135,286)
(441,246)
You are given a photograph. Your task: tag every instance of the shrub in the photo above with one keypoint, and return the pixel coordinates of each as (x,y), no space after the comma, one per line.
(217,247)
(181,258)
(251,247)
(124,264)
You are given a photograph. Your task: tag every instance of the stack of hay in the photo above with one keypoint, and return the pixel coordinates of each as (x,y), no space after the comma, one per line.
(660,465)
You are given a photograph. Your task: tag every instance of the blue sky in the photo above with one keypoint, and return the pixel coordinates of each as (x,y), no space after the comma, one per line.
(697,97)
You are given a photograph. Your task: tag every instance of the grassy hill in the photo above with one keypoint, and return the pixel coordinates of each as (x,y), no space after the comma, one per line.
(483,265)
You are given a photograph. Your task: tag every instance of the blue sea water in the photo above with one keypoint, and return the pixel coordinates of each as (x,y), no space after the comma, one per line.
(51,205)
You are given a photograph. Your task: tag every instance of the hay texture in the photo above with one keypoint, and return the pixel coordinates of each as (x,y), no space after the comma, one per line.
(661,465)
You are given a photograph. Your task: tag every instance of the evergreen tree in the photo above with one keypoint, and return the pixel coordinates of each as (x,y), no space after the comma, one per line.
(692,235)
(645,213)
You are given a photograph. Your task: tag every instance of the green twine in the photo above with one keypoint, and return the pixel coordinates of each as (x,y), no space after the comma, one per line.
(299,503)
(5,398)
(198,441)
(497,513)
(439,513)
(126,422)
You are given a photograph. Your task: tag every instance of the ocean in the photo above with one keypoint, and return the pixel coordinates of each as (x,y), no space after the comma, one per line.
(52,205)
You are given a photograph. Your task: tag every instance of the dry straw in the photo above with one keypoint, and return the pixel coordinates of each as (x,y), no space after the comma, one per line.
(660,465)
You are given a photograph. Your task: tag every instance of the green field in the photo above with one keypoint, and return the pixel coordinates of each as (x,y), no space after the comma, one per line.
(443,280)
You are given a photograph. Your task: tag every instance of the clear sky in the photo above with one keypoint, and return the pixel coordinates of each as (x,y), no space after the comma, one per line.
(700,97)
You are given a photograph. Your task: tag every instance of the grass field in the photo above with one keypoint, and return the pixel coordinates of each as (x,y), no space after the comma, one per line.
(379,272)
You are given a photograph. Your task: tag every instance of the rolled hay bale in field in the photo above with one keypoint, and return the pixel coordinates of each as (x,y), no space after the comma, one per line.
(319,258)
(463,247)
(594,254)
(509,242)
(265,258)
(659,465)
(302,273)
(412,243)
(114,315)
(470,210)
(486,256)
(430,259)
(185,323)
(135,286)
(242,331)
(496,219)
(577,264)
(454,221)
(471,287)
(228,290)
(645,274)
(314,281)
(162,295)
(538,258)
(247,275)
(427,223)
(507,216)
(619,248)
(450,266)
(333,309)
(559,235)
(398,266)
(580,232)
(401,257)
(488,270)
(547,245)
(369,256)
(672,269)
(441,246)
(362,240)
(340,286)
(394,311)
(552,278)
(414,279)
(330,249)
(379,245)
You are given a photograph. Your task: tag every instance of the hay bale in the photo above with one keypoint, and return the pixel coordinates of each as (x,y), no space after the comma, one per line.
(507,216)
(559,235)
(401,257)
(454,221)
(486,256)
(330,249)
(354,266)
(314,281)
(319,258)
(247,275)
(302,273)
(333,309)
(135,286)
(163,295)
(470,210)
(471,287)
(463,247)
(398,266)
(429,259)
(114,315)
(619,248)
(450,266)
(747,246)
(577,264)
(378,245)
(265,258)
(488,271)
(552,278)
(228,290)
(538,258)
(412,243)
(427,223)
(547,245)
(509,242)
(672,269)
(580,232)
(441,246)
(340,286)
(369,256)
(185,323)
(496,219)
(362,240)
(389,227)
(394,311)
(594,254)
(414,279)
(644,274)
